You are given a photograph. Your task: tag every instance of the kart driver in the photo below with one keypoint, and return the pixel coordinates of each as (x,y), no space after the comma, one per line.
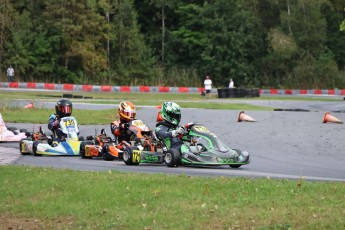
(120,129)
(63,108)
(168,130)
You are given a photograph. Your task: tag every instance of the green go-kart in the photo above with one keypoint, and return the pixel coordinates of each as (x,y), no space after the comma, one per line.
(200,147)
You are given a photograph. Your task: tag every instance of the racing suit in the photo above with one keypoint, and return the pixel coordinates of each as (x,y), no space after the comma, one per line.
(164,132)
(121,131)
(54,126)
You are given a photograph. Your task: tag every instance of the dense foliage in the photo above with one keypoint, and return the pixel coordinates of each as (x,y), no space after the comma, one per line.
(258,43)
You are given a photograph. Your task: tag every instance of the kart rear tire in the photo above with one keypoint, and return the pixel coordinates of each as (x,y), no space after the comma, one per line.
(82,151)
(34,149)
(13,130)
(23,130)
(81,138)
(21,146)
(172,158)
(128,155)
(106,155)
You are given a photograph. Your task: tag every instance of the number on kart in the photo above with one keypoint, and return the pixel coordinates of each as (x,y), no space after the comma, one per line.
(69,123)
(136,156)
(138,123)
(201,128)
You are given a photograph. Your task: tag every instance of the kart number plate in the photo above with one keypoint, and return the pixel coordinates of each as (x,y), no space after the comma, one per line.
(201,128)
(138,123)
(69,123)
(136,156)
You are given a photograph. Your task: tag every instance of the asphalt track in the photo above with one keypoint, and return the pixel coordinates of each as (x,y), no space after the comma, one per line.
(292,143)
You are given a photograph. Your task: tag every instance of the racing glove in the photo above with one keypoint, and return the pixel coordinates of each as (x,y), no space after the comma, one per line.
(178,131)
(56,123)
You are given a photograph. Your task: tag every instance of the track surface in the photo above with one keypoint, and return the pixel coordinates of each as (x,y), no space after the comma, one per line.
(282,144)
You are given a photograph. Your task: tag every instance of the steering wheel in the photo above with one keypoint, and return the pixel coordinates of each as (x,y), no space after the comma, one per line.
(202,147)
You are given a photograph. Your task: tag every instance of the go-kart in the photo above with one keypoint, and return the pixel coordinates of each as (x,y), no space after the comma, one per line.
(41,144)
(200,147)
(101,145)
(110,149)
(11,134)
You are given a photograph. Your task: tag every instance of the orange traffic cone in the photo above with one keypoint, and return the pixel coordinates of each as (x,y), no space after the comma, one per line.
(327,117)
(30,105)
(244,117)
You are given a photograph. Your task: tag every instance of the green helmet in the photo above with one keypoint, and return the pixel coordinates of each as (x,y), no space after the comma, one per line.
(171,112)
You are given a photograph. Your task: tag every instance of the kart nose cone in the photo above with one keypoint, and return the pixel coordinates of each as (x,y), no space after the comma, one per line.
(244,157)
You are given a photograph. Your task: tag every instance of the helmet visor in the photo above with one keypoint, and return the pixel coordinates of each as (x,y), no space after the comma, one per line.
(130,114)
(65,109)
(174,116)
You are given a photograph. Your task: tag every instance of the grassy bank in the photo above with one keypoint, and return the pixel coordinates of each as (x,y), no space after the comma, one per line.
(44,198)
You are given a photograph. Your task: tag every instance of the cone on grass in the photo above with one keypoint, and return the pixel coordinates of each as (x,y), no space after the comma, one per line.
(244,117)
(30,105)
(327,117)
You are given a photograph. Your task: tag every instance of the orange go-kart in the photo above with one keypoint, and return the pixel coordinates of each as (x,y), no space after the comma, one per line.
(104,146)
(101,145)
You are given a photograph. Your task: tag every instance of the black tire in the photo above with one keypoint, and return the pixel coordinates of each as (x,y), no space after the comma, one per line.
(82,151)
(235,166)
(131,154)
(34,149)
(106,155)
(13,130)
(21,149)
(23,130)
(81,138)
(172,158)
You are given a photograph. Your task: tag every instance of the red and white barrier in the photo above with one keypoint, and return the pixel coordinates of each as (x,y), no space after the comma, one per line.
(154,89)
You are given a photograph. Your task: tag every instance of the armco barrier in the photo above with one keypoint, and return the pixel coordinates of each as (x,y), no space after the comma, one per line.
(157,89)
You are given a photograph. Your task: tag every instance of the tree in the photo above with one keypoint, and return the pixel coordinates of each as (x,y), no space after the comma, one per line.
(80,30)
(6,24)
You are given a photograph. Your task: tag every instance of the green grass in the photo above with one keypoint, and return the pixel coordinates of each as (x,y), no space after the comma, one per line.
(115,200)
(40,116)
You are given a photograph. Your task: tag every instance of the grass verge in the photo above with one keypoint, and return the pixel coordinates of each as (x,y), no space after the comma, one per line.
(40,116)
(44,198)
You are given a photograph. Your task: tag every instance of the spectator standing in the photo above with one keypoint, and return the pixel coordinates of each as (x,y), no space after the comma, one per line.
(208,86)
(10,73)
(231,84)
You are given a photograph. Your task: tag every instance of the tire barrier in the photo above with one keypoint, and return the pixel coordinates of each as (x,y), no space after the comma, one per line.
(238,92)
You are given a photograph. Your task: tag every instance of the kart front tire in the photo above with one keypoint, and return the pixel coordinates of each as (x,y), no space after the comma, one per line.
(235,166)
(239,152)
(106,154)
(172,158)
(34,149)
(21,146)
(128,155)
(82,151)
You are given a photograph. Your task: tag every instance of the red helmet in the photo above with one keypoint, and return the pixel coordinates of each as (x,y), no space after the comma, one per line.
(127,111)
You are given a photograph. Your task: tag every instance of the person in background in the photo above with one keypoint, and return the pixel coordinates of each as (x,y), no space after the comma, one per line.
(231,84)
(10,73)
(208,86)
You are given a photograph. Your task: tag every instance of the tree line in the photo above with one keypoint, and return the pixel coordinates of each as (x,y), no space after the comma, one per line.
(258,43)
